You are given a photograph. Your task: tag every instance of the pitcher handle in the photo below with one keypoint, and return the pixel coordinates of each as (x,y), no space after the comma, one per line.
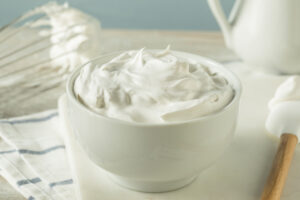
(218,12)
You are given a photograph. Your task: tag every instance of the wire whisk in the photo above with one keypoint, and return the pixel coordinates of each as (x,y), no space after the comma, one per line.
(40,48)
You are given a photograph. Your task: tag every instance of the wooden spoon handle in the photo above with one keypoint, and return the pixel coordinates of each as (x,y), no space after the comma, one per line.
(281,164)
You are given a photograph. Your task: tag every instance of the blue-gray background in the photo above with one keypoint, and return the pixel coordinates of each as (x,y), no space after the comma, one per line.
(132,14)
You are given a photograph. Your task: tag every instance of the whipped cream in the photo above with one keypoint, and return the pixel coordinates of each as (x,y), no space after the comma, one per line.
(74,34)
(61,39)
(287,91)
(152,87)
(284,116)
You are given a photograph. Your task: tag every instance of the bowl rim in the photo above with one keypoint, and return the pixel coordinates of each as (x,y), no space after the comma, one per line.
(235,83)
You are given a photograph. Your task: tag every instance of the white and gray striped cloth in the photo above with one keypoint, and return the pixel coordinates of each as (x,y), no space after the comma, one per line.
(33,157)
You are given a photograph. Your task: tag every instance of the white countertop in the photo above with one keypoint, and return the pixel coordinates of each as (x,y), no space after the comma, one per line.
(205,43)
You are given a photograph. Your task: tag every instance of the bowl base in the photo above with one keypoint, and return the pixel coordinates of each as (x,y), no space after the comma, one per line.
(146,186)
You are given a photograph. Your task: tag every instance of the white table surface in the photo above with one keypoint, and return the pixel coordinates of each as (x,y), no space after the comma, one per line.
(231,172)
(241,172)
(205,43)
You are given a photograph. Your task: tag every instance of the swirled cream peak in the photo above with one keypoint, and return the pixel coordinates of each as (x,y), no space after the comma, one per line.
(152,87)
(284,115)
(287,91)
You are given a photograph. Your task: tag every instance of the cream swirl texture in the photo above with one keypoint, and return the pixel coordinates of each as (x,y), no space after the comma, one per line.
(284,107)
(152,87)
(287,91)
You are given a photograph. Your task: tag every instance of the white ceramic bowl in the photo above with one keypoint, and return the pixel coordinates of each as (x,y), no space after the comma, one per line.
(154,157)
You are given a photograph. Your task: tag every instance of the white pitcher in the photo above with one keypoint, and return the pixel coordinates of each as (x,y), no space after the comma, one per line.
(264,33)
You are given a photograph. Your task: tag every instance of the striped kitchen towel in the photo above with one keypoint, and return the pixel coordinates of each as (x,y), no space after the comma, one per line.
(33,157)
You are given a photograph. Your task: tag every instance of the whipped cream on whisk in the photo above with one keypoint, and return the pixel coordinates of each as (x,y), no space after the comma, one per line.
(152,87)
(75,36)
(51,39)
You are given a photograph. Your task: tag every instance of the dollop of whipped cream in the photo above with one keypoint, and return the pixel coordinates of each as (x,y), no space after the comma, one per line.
(284,115)
(289,90)
(152,87)
(75,35)
(53,40)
